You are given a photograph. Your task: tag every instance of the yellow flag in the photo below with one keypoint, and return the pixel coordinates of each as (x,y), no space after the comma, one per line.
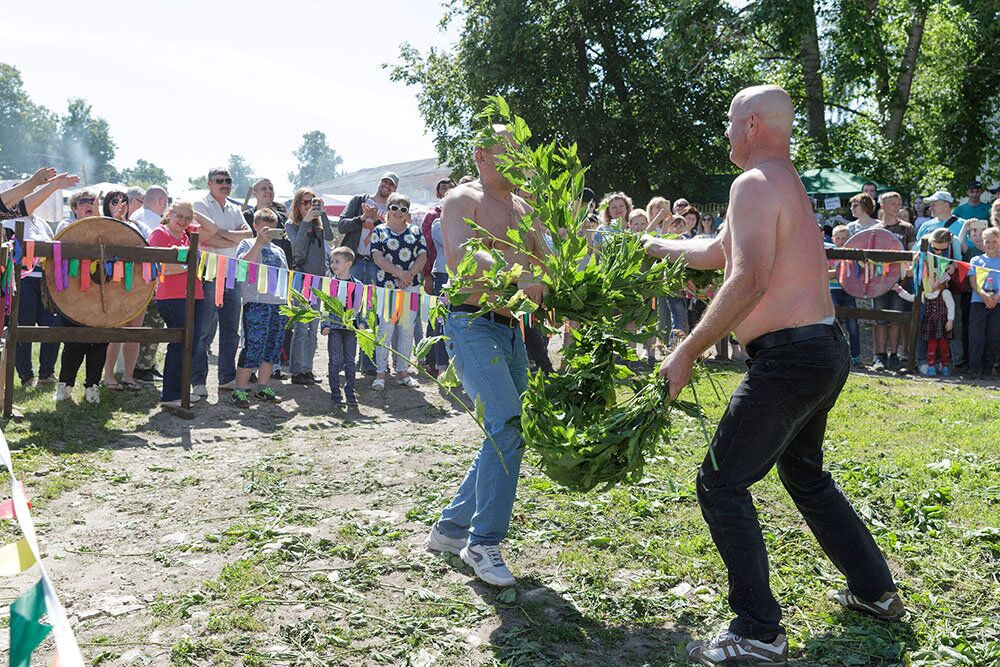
(982,274)
(15,558)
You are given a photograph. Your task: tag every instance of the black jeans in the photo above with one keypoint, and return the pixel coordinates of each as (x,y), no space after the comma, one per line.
(984,337)
(73,356)
(777,415)
(33,312)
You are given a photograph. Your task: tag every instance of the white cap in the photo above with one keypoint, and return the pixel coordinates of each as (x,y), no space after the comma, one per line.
(940,195)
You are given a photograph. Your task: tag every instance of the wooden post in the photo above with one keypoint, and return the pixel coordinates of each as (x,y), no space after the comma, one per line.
(189,305)
(10,344)
(911,339)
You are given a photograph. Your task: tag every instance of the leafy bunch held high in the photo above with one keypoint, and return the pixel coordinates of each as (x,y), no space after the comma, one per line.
(597,422)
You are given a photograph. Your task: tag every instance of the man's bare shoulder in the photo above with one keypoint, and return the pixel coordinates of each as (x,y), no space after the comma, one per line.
(461,199)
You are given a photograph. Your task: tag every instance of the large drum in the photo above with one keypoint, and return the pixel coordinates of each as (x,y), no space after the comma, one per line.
(868,282)
(106,303)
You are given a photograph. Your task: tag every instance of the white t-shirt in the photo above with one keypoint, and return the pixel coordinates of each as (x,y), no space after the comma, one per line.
(146,220)
(228,218)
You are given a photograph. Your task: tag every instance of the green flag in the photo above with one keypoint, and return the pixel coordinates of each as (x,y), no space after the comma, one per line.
(26,630)
(241,271)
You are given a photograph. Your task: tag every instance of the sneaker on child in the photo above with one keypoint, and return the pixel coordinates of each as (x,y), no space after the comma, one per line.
(240,398)
(729,648)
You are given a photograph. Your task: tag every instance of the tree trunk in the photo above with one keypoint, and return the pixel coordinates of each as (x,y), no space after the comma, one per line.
(813,77)
(907,69)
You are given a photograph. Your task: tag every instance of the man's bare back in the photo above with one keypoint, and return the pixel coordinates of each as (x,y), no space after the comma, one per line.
(797,290)
(490,211)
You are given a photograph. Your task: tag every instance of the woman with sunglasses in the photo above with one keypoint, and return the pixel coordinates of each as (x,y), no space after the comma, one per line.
(308,230)
(400,252)
(115,206)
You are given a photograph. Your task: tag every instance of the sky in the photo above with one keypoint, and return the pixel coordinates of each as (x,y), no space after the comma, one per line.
(185,83)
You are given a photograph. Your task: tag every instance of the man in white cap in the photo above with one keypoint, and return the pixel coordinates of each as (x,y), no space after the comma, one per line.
(363,212)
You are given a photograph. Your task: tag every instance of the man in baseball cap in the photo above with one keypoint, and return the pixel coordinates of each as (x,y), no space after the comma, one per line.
(975,207)
(391,176)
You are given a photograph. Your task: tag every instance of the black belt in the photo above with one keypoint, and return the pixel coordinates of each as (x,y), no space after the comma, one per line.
(492,317)
(791,335)
(364,258)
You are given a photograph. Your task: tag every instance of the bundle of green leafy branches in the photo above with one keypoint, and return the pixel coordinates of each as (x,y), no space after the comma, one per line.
(597,422)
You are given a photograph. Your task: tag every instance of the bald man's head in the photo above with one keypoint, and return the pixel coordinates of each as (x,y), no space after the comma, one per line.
(760,118)
(155,199)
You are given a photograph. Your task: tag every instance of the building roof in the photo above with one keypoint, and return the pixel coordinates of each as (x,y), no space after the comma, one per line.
(365,180)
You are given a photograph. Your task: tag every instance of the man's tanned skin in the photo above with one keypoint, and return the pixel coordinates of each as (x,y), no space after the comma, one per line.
(770,248)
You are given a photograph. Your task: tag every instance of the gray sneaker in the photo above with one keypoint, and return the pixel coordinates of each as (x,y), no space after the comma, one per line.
(731,649)
(889,607)
(487,562)
(437,541)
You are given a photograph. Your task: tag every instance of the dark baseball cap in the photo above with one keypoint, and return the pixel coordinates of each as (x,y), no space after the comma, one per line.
(587,196)
(974,184)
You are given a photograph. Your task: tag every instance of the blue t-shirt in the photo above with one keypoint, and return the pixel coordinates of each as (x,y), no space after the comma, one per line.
(992,285)
(955,227)
(270,255)
(401,249)
(967,211)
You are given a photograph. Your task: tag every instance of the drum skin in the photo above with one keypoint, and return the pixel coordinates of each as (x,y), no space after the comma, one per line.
(86,307)
(853,278)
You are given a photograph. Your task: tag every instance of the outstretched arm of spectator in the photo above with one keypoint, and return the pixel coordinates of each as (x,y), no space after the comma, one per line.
(14,195)
(58,182)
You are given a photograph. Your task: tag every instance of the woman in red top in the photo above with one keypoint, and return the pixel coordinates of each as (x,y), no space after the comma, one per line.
(179,219)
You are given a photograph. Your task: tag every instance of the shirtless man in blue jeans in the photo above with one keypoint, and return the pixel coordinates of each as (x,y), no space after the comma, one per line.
(776,298)
(492,363)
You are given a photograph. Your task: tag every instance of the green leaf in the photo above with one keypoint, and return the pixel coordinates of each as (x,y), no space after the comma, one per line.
(425,346)
(507,596)
(449,378)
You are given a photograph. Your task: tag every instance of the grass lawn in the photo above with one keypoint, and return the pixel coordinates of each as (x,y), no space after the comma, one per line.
(623,577)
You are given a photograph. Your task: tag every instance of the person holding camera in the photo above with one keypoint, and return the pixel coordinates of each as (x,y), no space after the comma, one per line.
(308,230)
(263,323)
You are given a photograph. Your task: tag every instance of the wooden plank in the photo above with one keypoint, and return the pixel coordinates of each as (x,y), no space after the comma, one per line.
(861,255)
(189,305)
(98,335)
(871,314)
(123,253)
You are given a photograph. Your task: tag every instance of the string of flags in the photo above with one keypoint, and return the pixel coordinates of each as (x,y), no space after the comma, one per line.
(27,629)
(388,303)
(935,265)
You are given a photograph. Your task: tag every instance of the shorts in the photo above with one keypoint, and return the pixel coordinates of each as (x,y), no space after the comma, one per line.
(890,301)
(263,334)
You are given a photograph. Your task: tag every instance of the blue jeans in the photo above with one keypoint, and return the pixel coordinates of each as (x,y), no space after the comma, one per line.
(439,354)
(671,313)
(342,346)
(303,349)
(842,299)
(32,312)
(492,363)
(172,312)
(227,320)
(366,272)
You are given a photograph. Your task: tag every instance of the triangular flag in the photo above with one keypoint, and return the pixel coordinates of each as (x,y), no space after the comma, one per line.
(962,271)
(26,629)
(15,558)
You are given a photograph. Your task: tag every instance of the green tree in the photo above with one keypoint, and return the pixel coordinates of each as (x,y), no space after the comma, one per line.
(145,174)
(317,162)
(26,129)
(242,174)
(198,182)
(86,144)
(627,80)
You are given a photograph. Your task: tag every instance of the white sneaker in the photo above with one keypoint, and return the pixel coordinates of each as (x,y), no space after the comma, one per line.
(177,403)
(378,384)
(92,394)
(437,541)
(408,381)
(228,386)
(487,562)
(199,390)
(63,392)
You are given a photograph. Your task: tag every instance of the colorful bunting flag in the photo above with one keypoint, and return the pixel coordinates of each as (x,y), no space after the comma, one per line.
(26,628)
(15,558)
(241,270)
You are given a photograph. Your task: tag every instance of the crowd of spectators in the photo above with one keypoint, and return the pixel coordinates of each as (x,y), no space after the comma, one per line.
(376,241)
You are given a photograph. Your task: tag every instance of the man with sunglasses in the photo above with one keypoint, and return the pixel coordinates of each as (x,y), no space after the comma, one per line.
(82,204)
(357,222)
(232,229)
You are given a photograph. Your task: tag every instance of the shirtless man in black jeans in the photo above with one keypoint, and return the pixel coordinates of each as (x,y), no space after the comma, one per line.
(775,296)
